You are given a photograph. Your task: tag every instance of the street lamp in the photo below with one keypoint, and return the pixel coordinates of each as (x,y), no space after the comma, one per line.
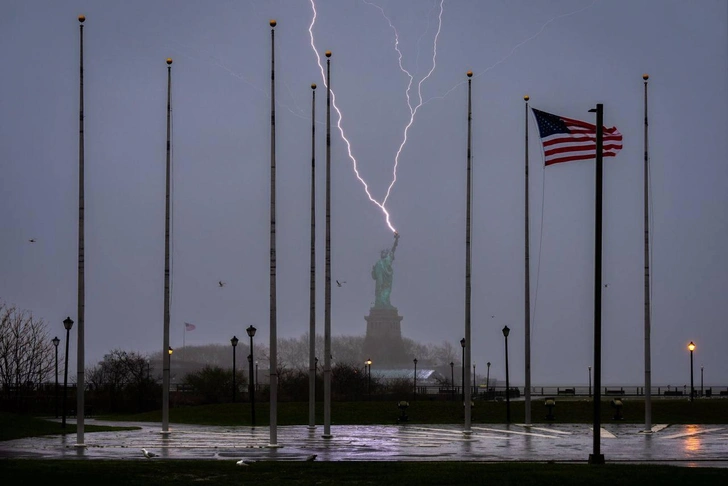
(234,342)
(507,331)
(452,380)
(462,379)
(68,324)
(691,347)
(170,350)
(701,380)
(56,342)
(255,385)
(590,381)
(474,378)
(487,378)
(368,362)
(415,380)
(251,332)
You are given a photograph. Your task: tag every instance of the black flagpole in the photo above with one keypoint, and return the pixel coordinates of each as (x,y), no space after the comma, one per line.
(327,271)
(648,366)
(273,270)
(527,284)
(81,309)
(312,285)
(597,457)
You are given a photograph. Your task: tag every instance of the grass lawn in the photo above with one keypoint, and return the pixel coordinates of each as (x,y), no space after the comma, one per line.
(129,473)
(14,426)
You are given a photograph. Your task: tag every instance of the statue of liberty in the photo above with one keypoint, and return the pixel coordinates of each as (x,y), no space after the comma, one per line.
(382,273)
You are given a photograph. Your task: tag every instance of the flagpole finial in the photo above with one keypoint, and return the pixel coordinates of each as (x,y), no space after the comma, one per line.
(169,61)
(313,85)
(526,98)
(645,76)
(272,23)
(470,74)
(81,18)
(328,53)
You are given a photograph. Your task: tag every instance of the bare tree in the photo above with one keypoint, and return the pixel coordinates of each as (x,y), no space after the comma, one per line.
(26,352)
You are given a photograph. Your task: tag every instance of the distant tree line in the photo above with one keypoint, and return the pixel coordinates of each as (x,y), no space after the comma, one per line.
(129,381)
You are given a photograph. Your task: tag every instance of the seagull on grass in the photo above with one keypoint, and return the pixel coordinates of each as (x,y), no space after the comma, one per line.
(148,454)
(242,462)
(311,458)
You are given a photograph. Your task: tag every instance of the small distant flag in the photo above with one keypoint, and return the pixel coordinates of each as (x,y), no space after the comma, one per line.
(565,139)
(189,327)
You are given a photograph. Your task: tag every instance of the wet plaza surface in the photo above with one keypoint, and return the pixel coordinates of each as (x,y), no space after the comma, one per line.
(687,445)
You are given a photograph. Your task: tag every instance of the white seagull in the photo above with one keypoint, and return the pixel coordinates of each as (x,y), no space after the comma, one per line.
(241,462)
(311,458)
(148,454)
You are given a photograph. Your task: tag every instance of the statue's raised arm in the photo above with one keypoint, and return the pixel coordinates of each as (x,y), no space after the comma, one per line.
(396,241)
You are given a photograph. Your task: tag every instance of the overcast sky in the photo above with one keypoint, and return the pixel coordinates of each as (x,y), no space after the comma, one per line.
(567,55)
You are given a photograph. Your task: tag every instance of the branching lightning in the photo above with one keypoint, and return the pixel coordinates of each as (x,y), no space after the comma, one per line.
(514,49)
(413,110)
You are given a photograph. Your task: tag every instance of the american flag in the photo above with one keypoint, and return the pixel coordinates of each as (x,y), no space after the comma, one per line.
(565,139)
(189,327)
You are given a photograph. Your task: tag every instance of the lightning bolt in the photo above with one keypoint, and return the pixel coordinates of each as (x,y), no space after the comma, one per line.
(514,49)
(412,110)
(338,124)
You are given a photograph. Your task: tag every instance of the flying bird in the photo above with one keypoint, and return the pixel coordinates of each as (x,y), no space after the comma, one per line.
(340,283)
(32,240)
(148,454)
(221,283)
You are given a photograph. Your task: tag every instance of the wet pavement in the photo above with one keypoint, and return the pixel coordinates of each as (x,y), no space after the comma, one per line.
(687,445)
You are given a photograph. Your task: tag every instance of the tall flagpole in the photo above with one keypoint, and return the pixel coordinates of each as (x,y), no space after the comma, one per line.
(327,273)
(273,306)
(648,366)
(527,285)
(597,457)
(468,254)
(81,309)
(167,210)
(312,288)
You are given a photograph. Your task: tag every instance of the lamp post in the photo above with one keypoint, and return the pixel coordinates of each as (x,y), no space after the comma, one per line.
(589,381)
(415,378)
(462,378)
(170,350)
(473,377)
(57,341)
(368,362)
(701,380)
(487,377)
(234,342)
(251,332)
(68,324)
(452,380)
(507,331)
(691,347)
(255,385)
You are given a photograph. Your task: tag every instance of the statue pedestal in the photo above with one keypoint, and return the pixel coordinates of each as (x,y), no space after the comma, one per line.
(383,342)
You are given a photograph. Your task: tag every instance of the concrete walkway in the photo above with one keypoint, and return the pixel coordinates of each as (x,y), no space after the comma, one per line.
(688,445)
